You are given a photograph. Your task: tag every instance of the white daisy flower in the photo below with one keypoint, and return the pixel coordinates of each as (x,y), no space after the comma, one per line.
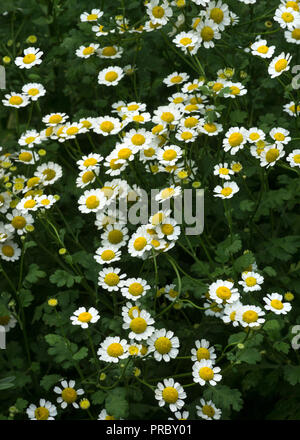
(84,317)
(184,415)
(5,199)
(287,18)
(229,315)
(168,114)
(134,288)
(176,78)
(223,291)
(279,65)
(255,135)
(209,128)
(110,52)
(203,351)
(87,51)
(94,15)
(19,221)
(208,31)
(280,135)
(30,138)
(9,251)
(90,162)
(16,100)
(54,119)
(92,201)
(208,410)
(235,139)
(86,177)
(45,411)
(68,394)
(26,204)
(159,11)
(139,243)
(171,292)
(164,345)
(186,135)
(111,279)
(251,281)
(129,308)
(32,57)
(45,201)
(205,372)
(168,193)
(27,157)
(250,316)
(140,325)
(113,349)
(294,158)
(219,13)
(105,416)
(99,30)
(107,254)
(169,155)
(187,41)
(169,229)
(274,304)
(223,171)
(106,125)
(271,154)
(226,191)
(293,36)
(260,48)
(291,109)
(171,393)
(8,322)
(110,76)
(49,172)
(34,91)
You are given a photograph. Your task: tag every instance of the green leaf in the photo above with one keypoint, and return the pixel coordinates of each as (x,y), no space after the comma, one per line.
(21,404)
(224,397)
(34,274)
(98,397)
(7,382)
(62,278)
(49,381)
(243,262)
(292,374)
(25,297)
(249,355)
(281,346)
(116,404)
(81,354)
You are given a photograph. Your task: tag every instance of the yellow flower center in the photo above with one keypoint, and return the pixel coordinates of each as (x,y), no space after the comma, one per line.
(88,50)
(111,76)
(250,316)
(296,34)
(167,117)
(169,155)
(90,162)
(207,33)
(226,191)
(206,373)
(281,65)
(149,152)
(224,171)
(29,204)
(108,255)
(262,49)
(136,289)
(84,317)
(112,279)
(92,17)
(173,293)
(115,349)
(29,140)
(16,100)
(69,395)
(109,51)
(232,316)
(138,139)
(276,304)
(25,156)
(18,222)
(168,192)
(45,202)
(272,155)
(190,122)
(235,90)
(109,417)
(163,345)
(124,153)
(186,135)
(203,353)
(139,243)
(30,58)
(138,118)
(8,251)
(217,87)
(235,139)
(210,128)
(170,395)
(92,202)
(185,41)
(176,79)
(167,229)
(115,236)
(279,137)
(287,17)
(158,12)
(217,15)
(113,165)
(33,92)
(107,126)
(208,410)
(88,176)
(55,119)
(138,325)
(223,293)
(4,320)
(250,281)
(254,136)
(297,158)
(72,130)
(41,413)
